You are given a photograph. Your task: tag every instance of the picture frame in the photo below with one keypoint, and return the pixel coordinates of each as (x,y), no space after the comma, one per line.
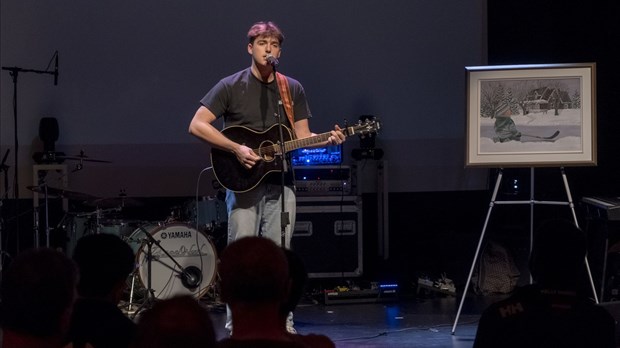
(531,115)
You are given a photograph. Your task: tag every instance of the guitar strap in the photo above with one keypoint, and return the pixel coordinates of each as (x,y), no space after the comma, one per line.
(287,100)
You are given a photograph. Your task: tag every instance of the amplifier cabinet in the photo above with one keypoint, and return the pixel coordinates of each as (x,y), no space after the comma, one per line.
(323,181)
(328,238)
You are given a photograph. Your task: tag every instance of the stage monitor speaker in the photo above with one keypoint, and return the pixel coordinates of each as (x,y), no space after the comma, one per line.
(328,238)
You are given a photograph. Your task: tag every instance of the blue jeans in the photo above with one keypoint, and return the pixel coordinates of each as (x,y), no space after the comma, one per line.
(257,213)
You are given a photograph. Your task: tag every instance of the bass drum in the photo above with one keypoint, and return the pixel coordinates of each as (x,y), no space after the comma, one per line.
(187,267)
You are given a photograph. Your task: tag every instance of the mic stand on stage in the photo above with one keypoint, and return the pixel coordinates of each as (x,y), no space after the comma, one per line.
(191,276)
(284,215)
(14,72)
(3,169)
(150,293)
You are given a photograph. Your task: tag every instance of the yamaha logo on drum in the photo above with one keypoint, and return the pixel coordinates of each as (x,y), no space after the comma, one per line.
(176,234)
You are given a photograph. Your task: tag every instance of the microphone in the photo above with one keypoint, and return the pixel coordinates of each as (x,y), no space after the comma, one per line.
(273,61)
(56,70)
(191,277)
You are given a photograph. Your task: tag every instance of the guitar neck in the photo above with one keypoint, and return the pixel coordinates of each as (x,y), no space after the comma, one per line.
(319,138)
(292,145)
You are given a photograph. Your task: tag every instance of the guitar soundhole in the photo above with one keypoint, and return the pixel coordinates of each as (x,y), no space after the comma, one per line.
(267,151)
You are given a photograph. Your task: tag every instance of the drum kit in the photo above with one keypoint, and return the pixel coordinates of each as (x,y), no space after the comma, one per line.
(175,256)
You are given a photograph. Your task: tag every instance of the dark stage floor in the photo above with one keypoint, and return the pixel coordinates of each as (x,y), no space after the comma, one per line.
(403,323)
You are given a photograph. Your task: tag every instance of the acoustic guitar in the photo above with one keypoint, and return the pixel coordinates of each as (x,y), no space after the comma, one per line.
(234,176)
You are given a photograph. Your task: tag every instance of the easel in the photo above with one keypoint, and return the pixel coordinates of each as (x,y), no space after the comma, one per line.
(532,202)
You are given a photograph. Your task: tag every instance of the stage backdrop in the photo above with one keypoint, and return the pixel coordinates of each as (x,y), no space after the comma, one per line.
(132,74)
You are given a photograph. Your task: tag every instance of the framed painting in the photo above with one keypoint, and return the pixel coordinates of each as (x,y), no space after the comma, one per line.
(531,115)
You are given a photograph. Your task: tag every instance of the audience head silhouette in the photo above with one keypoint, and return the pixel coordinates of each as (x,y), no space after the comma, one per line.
(558,254)
(105,261)
(553,312)
(253,270)
(179,321)
(38,292)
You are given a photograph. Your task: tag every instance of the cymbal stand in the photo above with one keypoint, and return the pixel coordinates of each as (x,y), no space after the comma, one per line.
(36,219)
(42,182)
(44,185)
(97,215)
(97,220)
(47,217)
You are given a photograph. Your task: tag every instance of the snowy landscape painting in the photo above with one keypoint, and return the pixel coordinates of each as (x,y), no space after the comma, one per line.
(531,115)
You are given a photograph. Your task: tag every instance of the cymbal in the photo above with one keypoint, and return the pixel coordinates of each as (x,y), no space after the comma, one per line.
(81,158)
(61,193)
(111,202)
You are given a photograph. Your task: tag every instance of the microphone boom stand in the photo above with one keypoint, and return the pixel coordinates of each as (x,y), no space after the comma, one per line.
(14,72)
(284,215)
(190,276)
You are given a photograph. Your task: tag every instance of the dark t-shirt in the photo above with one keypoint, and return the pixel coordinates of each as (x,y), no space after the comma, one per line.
(244,100)
(534,317)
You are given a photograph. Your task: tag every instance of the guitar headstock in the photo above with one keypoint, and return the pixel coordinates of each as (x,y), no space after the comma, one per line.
(364,128)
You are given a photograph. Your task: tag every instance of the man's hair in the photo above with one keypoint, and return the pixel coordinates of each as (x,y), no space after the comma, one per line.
(253,270)
(38,288)
(558,254)
(179,321)
(104,260)
(265,29)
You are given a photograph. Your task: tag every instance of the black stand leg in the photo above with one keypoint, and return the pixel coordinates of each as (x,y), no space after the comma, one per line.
(284,215)
(149,298)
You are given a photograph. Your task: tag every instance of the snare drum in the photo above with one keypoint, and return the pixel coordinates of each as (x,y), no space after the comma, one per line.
(188,265)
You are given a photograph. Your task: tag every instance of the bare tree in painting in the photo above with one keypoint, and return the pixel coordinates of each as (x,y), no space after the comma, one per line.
(492,94)
(576,100)
(558,95)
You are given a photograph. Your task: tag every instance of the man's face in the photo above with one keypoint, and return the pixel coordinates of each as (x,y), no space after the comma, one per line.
(264,46)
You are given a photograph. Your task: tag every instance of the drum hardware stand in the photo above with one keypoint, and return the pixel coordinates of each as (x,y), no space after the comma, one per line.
(532,202)
(150,293)
(214,292)
(191,276)
(98,214)
(36,219)
(131,291)
(42,183)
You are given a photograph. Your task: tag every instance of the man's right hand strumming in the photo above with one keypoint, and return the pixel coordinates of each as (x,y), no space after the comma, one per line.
(246,156)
